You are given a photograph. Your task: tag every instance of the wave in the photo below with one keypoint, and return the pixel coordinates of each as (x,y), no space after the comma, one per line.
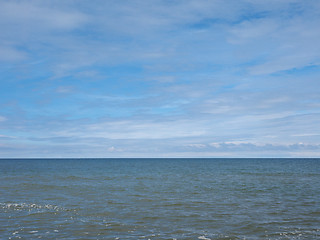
(30,206)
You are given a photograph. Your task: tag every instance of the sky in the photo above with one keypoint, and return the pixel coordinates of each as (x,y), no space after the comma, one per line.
(159,78)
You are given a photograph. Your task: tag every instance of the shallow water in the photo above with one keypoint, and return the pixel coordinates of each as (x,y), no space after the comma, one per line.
(160,199)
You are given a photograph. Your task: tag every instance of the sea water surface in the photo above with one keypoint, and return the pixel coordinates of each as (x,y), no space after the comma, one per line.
(160,199)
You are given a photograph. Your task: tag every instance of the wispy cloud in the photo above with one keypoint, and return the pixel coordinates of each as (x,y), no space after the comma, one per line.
(140,78)
(2,119)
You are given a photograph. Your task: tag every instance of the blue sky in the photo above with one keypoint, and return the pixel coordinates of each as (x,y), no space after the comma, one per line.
(191,78)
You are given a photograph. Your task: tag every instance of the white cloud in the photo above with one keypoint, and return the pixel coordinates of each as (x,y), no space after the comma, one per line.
(253,30)
(179,73)
(197,145)
(282,39)
(35,14)
(64,89)
(144,129)
(287,62)
(111,149)
(2,118)
(306,134)
(11,54)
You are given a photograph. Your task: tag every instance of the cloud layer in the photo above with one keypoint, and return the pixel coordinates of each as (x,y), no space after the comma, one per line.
(159,79)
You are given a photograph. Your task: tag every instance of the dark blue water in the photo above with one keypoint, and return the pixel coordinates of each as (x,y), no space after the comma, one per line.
(160,199)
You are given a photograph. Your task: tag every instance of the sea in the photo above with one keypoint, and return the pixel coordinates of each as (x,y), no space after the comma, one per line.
(160,198)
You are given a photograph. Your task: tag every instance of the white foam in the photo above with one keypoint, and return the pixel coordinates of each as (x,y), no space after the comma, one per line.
(204,238)
(29,206)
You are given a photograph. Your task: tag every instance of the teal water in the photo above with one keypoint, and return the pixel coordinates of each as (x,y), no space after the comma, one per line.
(160,199)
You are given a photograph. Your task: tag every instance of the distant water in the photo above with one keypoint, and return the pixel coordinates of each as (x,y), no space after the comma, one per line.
(160,199)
